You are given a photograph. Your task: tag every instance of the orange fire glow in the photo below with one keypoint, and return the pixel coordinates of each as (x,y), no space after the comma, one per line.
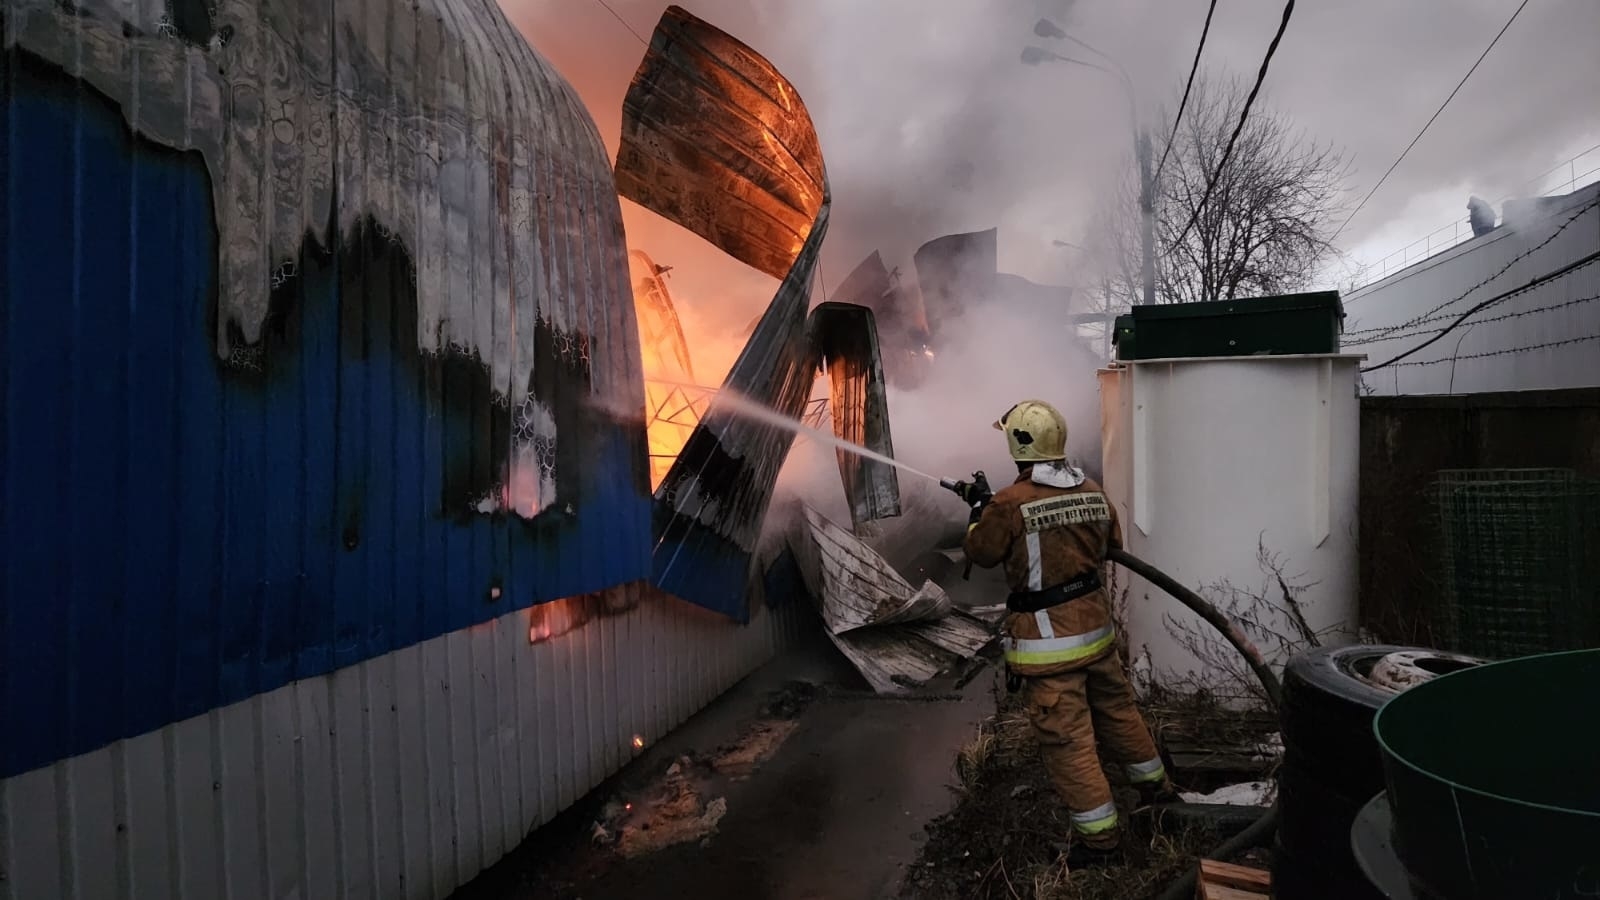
(673,402)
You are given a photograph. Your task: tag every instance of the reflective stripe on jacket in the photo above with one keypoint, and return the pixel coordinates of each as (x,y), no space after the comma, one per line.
(1045,536)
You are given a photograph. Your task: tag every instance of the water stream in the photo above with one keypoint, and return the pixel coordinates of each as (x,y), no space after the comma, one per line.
(737,404)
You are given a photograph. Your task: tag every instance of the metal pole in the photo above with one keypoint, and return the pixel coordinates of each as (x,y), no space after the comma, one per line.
(1147,207)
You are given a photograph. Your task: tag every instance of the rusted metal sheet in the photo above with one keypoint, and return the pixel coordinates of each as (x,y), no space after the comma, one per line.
(898,637)
(716,139)
(845,337)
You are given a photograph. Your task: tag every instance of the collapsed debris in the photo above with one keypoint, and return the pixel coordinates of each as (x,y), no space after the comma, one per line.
(684,803)
(898,637)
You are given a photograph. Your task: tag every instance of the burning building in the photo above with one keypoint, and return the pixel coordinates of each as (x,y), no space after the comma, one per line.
(363,559)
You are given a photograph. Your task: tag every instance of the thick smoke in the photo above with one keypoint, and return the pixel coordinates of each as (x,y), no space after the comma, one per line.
(929,120)
(930,125)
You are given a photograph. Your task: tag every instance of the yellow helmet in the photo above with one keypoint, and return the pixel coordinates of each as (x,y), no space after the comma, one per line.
(1035,431)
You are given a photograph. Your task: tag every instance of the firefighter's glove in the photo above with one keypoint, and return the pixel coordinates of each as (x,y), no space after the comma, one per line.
(976,494)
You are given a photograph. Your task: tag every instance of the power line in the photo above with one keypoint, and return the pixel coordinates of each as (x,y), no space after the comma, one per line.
(619,18)
(1244,114)
(1486,304)
(1195,67)
(1430,121)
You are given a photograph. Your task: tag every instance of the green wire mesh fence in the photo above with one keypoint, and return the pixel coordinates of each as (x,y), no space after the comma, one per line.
(1519,561)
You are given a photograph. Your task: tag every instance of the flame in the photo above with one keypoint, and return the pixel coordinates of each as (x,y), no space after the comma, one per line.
(556,618)
(638,744)
(672,407)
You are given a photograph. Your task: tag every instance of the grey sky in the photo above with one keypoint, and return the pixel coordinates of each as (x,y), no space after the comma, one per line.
(931,124)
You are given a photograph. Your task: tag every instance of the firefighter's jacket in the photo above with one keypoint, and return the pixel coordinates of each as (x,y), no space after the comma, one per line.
(1049,527)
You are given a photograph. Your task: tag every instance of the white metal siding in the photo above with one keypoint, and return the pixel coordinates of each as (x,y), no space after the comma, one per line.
(1209,459)
(403,776)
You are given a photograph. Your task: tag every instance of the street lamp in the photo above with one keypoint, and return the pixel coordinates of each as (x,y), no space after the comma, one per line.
(1034,56)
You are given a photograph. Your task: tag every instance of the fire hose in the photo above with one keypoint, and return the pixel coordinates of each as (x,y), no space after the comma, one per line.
(977,494)
(1229,630)
(1263,828)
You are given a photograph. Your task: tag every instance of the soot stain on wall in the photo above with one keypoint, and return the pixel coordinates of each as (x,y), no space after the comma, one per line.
(372,274)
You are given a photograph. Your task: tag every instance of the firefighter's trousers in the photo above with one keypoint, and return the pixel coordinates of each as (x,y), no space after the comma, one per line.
(1068,712)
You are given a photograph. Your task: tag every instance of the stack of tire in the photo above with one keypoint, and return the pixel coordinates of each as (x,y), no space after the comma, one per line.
(1332,765)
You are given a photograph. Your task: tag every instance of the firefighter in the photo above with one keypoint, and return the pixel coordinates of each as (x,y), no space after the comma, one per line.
(1051,530)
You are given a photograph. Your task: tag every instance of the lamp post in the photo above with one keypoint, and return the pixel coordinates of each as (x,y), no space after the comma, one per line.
(1033,56)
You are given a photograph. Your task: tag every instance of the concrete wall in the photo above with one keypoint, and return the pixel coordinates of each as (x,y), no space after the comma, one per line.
(1545,338)
(1405,441)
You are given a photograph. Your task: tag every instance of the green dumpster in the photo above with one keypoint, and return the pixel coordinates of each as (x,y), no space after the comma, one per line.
(1494,779)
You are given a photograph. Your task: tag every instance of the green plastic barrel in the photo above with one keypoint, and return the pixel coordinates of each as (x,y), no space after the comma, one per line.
(1494,779)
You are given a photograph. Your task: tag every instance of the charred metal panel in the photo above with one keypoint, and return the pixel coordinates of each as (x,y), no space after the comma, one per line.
(846,340)
(902,330)
(867,284)
(715,139)
(896,636)
(317,345)
(954,272)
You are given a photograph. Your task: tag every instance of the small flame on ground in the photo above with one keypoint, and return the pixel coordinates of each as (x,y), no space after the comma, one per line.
(638,742)
(627,807)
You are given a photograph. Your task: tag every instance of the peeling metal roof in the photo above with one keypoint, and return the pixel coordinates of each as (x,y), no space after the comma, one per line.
(898,637)
(715,139)
(845,336)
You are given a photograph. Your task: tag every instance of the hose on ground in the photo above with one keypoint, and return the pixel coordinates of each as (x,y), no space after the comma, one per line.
(1217,619)
(1257,834)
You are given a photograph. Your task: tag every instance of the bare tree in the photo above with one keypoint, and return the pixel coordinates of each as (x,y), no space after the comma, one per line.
(1265,227)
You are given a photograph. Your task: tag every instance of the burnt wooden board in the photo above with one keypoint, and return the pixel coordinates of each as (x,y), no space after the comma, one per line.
(1225,881)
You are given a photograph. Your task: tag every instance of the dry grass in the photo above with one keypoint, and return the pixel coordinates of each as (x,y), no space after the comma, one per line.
(1009,835)
(974,757)
(1152,865)
(1200,719)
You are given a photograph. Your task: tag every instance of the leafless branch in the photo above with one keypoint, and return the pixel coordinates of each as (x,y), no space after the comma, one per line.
(1266,228)
(1271,614)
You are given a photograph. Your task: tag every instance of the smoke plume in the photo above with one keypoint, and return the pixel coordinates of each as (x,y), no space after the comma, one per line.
(930,124)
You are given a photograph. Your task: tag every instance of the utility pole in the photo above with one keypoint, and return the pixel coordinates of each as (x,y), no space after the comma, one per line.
(1033,56)
(1147,209)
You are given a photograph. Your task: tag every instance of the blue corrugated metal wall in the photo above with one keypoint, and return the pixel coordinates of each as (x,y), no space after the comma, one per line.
(181,533)
(717,140)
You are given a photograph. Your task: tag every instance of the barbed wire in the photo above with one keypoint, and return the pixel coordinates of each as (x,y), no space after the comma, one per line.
(1506,351)
(1492,301)
(1423,318)
(1500,318)
(1387,334)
